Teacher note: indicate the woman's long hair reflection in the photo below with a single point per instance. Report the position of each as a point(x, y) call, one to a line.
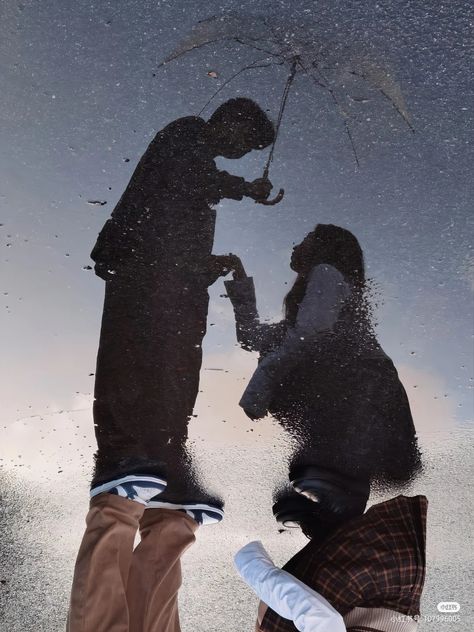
point(327, 244)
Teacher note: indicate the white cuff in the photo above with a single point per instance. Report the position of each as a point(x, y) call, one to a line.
point(285, 594)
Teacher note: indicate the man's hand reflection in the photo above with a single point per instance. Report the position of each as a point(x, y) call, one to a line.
point(259, 189)
point(232, 263)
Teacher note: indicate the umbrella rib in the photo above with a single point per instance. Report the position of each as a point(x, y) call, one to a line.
point(275, 36)
point(382, 92)
point(338, 106)
point(316, 81)
point(261, 50)
point(214, 41)
point(185, 52)
point(284, 99)
point(252, 66)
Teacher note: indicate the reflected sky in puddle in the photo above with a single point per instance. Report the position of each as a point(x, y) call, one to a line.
point(76, 118)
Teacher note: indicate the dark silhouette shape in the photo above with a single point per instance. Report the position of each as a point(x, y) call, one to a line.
point(325, 500)
point(165, 214)
point(322, 372)
point(155, 255)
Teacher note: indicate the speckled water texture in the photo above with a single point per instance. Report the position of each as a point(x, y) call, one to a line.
point(82, 97)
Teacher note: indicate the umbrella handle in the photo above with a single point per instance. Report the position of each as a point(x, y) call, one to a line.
point(278, 198)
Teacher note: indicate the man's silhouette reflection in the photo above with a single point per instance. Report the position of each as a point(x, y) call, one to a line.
point(155, 255)
point(322, 372)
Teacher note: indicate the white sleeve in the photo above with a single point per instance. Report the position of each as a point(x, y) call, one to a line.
point(286, 595)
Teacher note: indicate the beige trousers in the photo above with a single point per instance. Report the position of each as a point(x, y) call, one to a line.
point(120, 589)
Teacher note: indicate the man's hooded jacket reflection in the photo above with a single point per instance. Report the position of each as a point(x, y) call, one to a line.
point(155, 255)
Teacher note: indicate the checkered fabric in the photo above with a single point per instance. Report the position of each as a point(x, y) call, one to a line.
point(374, 561)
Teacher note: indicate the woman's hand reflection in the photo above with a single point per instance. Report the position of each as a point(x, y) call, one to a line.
point(231, 263)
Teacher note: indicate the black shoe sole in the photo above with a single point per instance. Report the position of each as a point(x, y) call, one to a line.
point(291, 511)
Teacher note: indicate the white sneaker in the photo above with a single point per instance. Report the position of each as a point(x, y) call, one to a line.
point(137, 487)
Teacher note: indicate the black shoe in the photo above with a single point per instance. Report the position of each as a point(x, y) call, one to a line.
point(293, 511)
point(337, 493)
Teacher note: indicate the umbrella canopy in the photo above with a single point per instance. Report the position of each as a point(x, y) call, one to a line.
point(334, 67)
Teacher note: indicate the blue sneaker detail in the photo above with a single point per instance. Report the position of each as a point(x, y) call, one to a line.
point(203, 514)
point(137, 487)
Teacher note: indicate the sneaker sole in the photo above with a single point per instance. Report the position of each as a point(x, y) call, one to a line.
point(131, 478)
point(290, 512)
point(190, 507)
point(157, 504)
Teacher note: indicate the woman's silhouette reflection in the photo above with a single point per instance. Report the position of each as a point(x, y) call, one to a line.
point(324, 376)
point(322, 372)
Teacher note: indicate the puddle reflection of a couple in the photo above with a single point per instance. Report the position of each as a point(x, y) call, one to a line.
point(322, 374)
